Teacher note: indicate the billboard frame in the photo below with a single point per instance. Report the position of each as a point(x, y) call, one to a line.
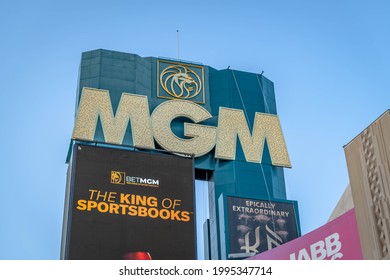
point(224, 231)
point(70, 186)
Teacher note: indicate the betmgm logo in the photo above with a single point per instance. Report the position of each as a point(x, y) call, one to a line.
point(180, 81)
point(120, 178)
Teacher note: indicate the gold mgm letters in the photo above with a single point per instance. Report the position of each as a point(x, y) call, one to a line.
point(146, 128)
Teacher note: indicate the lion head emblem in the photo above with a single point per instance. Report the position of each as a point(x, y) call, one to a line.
point(180, 82)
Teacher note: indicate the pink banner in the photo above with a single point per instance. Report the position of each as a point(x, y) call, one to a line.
point(336, 240)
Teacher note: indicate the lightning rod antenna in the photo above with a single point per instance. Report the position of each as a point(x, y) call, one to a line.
point(177, 39)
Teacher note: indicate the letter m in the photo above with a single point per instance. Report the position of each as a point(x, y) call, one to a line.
point(232, 125)
point(96, 103)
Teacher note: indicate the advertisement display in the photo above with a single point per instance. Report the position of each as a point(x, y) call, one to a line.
point(338, 239)
point(130, 205)
point(256, 226)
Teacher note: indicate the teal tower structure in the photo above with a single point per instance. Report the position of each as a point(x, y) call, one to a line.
point(120, 72)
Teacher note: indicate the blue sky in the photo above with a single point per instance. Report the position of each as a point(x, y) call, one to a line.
point(329, 61)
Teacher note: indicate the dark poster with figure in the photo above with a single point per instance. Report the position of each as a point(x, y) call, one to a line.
point(129, 204)
point(256, 226)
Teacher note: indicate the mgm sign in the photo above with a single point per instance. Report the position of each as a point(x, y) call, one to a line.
point(184, 85)
point(189, 110)
point(201, 139)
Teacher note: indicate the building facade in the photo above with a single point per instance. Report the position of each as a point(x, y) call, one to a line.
point(368, 161)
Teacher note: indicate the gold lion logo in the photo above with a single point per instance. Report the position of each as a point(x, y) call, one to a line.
point(180, 82)
point(117, 177)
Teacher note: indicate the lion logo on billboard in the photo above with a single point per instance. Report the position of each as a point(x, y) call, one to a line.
point(180, 82)
point(118, 177)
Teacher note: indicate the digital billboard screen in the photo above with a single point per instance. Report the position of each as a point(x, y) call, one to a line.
point(129, 203)
point(256, 225)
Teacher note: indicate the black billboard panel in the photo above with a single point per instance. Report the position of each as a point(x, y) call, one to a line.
point(129, 203)
point(256, 225)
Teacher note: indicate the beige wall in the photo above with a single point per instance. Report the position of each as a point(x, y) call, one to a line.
point(345, 203)
point(368, 161)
